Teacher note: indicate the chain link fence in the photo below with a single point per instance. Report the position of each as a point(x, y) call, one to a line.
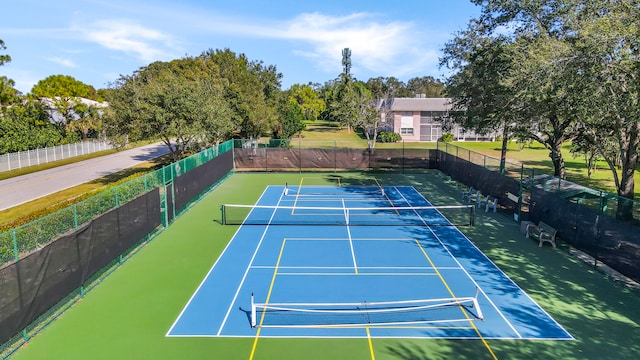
point(48, 264)
point(600, 224)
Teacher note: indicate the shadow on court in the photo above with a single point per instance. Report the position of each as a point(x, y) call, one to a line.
point(600, 313)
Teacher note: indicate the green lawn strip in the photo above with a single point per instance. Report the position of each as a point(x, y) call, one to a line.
point(128, 314)
point(536, 157)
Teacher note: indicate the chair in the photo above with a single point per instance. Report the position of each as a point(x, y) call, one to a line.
point(467, 193)
point(484, 201)
point(474, 197)
point(491, 202)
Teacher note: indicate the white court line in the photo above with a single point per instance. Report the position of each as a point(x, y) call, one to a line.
point(360, 273)
point(353, 254)
point(351, 267)
point(246, 272)
point(207, 276)
point(466, 272)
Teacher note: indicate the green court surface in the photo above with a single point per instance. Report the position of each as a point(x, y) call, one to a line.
point(128, 315)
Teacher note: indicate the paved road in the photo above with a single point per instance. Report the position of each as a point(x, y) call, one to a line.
point(19, 190)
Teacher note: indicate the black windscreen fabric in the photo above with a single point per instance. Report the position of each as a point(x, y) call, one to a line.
point(483, 179)
point(191, 184)
point(612, 241)
point(333, 158)
point(37, 282)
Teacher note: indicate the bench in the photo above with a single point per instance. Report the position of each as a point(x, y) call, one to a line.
point(542, 232)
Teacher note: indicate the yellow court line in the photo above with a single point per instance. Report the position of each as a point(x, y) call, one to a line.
point(385, 194)
point(273, 280)
point(297, 194)
point(373, 355)
point(493, 355)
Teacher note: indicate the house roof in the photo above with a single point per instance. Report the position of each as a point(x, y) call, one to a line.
point(421, 104)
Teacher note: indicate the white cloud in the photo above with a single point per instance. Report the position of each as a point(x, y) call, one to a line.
point(131, 38)
point(388, 48)
point(62, 61)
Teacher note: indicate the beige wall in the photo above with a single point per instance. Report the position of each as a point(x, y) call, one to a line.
point(416, 126)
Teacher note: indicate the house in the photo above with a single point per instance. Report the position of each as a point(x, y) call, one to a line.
point(425, 119)
point(54, 113)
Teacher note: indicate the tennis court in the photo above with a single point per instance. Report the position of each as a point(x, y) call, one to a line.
point(357, 262)
point(129, 313)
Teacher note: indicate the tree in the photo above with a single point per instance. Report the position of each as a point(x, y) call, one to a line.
point(251, 89)
point(25, 126)
point(537, 102)
point(87, 118)
point(4, 58)
point(481, 97)
point(310, 102)
point(327, 92)
point(544, 85)
point(8, 94)
point(64, 86)
point(356, 106)
point(367, 116)
point(382, 87)
point(65, 95)
point(608, 43)
point(181, 102)
point(426, 85)
point(291, 119)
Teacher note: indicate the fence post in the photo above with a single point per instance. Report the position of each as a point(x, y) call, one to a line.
point(521, 191)
point(335, 157)
point(300, 154)
point(75, 216)
point(403, 156)
point(16, 254)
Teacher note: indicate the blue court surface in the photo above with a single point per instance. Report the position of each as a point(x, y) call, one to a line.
point(386, 274)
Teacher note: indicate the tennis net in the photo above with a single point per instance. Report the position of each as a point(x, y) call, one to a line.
point(342, 191)
point(456, 215)
point(406, 312)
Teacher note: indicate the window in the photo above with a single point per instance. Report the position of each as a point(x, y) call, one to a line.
point(425, 117)
point(406, 124)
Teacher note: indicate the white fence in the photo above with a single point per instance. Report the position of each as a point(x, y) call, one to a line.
point(23, 159)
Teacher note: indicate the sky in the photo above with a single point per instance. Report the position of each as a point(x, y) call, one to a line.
point(96, 41)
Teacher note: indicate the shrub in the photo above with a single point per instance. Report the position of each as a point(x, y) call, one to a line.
point(447, 137)
point(389, 137)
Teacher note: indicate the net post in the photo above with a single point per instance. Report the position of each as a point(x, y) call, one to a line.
point(476, 305)
point(223, 215)
point(473, 216)
point(253, 312)
point(286, 189)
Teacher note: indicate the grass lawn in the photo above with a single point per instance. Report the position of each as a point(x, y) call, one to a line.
point(535, 156)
